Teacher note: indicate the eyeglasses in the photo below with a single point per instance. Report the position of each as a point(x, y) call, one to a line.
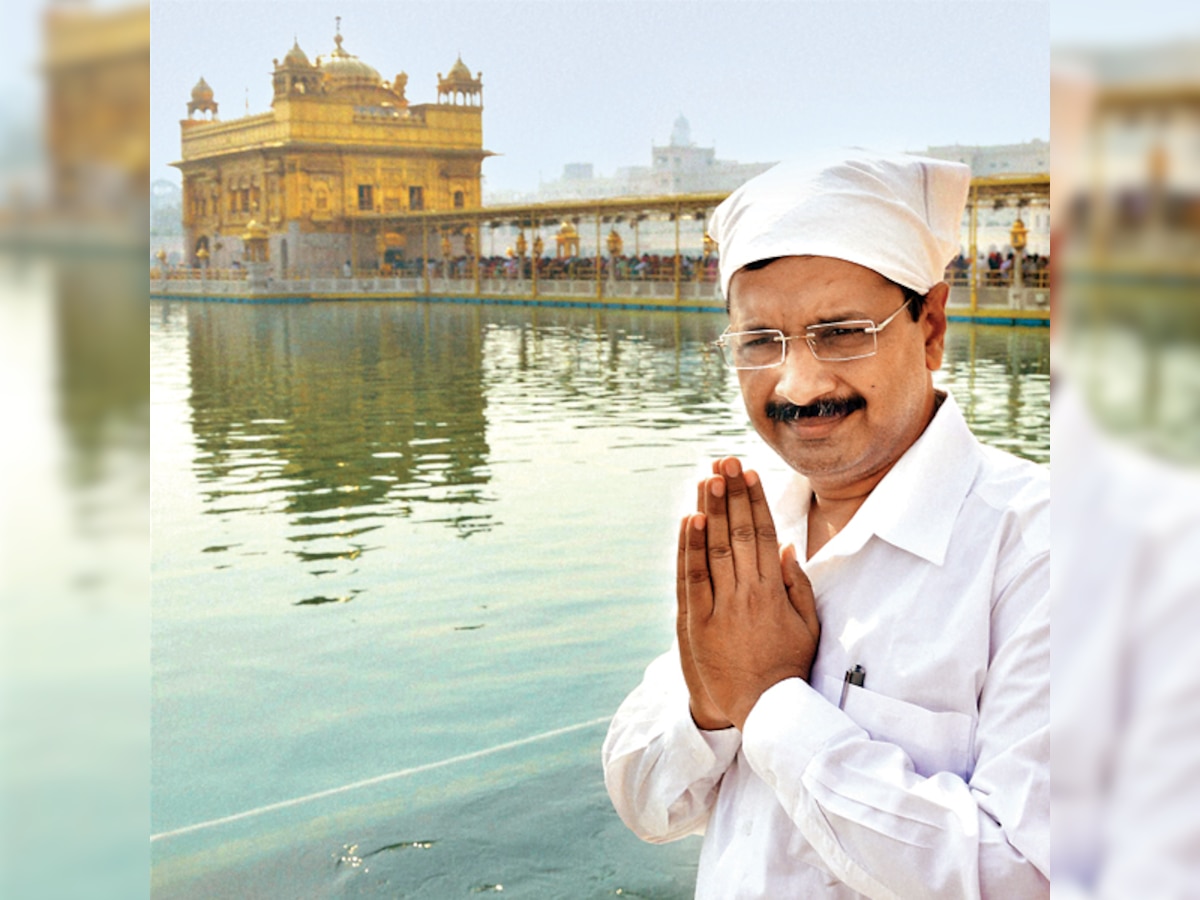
point(765, 348)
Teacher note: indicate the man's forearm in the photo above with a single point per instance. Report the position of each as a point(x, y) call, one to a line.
point(660, 769)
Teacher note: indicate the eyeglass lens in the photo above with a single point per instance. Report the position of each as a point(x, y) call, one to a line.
point(766, 348)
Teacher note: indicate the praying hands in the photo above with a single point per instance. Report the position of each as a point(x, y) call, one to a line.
point(746, 614)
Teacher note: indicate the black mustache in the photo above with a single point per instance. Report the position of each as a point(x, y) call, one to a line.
point(834, 406)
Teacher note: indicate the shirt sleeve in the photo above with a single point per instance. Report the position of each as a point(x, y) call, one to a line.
point(662, 771)
point(888, 831)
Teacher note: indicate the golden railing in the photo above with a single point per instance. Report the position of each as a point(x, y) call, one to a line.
point(182, 273)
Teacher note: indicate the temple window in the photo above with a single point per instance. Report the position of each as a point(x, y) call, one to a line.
point(416, 198)
point(458, 199)
point(366, 201)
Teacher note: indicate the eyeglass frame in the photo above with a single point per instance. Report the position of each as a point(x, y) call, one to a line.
point(808, 337)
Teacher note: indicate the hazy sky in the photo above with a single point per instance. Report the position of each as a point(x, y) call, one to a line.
point(1122, 23)
point(601, 82)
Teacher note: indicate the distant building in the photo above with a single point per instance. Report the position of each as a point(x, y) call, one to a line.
point(679, 167)
point(327, 171)
point(578, 172)
point(166, 207)
point(166, 222)
point(1030, 158)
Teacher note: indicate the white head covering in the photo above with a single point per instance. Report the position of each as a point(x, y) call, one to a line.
point(898, 215)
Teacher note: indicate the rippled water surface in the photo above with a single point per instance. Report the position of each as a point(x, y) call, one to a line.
point(429, 548)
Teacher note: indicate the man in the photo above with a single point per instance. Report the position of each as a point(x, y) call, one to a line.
point(865, 713)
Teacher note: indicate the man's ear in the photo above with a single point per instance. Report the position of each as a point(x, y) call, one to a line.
point(933, 321)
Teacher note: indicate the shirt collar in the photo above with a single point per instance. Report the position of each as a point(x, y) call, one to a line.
point(916, 504)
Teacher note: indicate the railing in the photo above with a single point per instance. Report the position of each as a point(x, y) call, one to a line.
point(1037, 280)
point(577, 269)
point(582, 270)
point(182, 274)
point(576, 283)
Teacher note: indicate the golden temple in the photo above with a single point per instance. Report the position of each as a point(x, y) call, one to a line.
point(340, 149)
point(97, 76)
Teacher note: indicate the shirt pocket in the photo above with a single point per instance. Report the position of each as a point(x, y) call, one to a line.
point(934, 741)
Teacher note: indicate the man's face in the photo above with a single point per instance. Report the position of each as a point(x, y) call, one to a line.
point(889, 396)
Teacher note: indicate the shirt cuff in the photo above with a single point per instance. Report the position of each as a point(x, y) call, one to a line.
point(700, 750)
point(789, 725)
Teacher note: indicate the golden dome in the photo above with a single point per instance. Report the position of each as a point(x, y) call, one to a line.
point(296, 56)
point(345, 70)
point(459, 71)
point(202, 93)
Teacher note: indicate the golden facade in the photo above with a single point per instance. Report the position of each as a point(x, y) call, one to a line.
point(339, 159)
point(97, 70)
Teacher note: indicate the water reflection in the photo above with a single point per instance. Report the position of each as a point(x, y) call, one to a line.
point(1000, 376)
point(336, 415)
point(103, 359)
point(609, 369)
point(74, 587)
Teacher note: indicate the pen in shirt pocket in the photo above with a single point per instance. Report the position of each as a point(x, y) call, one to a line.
point(855, 675)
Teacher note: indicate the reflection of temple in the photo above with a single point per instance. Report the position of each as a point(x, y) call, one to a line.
point(344, 411)
point(340, 149)
point(103, 357)
point(1001, 380)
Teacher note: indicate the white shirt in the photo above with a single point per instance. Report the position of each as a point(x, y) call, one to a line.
point(934, 780)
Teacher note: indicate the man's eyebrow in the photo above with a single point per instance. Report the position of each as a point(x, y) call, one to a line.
point(753, 325)
point(848, 316)
point(845, 315)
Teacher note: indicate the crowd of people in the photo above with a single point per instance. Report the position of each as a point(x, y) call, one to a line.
point(996, 269)
point(646, 267)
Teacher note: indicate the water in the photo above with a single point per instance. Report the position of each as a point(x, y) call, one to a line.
point(74, 581)
point(434, 543)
